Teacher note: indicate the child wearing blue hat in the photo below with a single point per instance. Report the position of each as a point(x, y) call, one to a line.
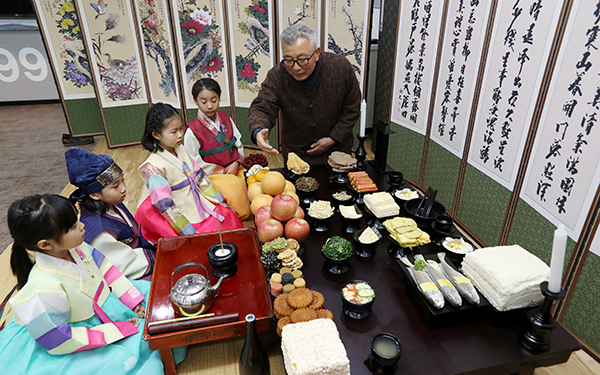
point(110, 227)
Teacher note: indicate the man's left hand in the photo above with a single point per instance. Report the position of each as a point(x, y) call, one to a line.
point(320, 146)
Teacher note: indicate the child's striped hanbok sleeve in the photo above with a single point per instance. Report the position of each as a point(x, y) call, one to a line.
point(119, 284)
point(206, 186)
point(45, 312)
point(160, 196)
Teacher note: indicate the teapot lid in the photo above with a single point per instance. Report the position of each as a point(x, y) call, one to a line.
point(190, 284)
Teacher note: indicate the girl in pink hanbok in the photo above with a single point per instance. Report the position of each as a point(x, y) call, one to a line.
point(182, 199)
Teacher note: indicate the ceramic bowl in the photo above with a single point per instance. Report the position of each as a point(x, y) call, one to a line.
point(345, 202)
point(364, 250)
point(337, 266)
point(356, 310)
point(223, 261)
point(424, 222)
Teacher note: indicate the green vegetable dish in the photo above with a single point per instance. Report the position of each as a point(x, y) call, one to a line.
point(337, 248)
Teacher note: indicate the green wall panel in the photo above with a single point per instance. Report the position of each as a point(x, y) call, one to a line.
point(441, 173)
point(483, 206)
point(533, 232)
point(385, 61)
point(404, 151)
point(241, 120)
point(125, 125)
point(581, 313)
point(85, 116)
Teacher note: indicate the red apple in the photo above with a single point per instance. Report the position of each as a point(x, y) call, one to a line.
point(269, 230)
point(283, 207)
point(297, 229)
point(262, 214)
point(299, 213)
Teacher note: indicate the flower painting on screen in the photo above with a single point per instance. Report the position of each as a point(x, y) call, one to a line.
point(76, 65)
point(202, 45)
point(256, 28)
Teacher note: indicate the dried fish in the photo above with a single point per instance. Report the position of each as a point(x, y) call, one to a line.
point(448, 290)
point(462, 284)
point(427, 287)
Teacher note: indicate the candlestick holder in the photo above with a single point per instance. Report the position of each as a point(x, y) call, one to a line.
point(380, 146)
point(361, 154)
point(536, 336)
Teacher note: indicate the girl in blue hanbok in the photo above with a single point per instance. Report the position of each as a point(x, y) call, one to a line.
point(74, 312)
point(109, 226)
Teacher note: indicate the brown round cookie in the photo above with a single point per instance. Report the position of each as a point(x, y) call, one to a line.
point(303, 315)
point(293, 244)
point(325, 314)
point(281, 307)
point(318, 300)
point(282, 323)
point(299, 297)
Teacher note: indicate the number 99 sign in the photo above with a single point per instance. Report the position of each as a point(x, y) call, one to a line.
point(36, 71)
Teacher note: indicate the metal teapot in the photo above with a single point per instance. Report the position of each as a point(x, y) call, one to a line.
point(193, 293)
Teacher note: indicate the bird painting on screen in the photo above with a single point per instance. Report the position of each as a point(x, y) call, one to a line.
point(116, 63)
point(100, 7)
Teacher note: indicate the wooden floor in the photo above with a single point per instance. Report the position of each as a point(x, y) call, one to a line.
point(222, 357)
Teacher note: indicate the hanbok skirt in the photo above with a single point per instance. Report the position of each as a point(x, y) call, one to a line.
point(21, 354)
point(154, 226)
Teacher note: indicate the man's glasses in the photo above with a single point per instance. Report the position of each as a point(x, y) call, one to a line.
point(303, 61)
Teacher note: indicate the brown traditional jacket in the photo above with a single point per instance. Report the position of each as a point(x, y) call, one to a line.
point(332, 108)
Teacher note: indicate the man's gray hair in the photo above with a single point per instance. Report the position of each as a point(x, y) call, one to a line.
point(291, 34)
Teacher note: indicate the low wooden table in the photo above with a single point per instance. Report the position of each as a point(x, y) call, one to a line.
point(481, 345)
point(244, 293)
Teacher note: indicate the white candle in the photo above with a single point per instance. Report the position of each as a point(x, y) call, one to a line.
point(558, 258)
point(363, 118)
point(222, 252)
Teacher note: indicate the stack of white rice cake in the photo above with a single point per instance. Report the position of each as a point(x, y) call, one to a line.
point(314, 348)
point(381, 204)
point(508, 276)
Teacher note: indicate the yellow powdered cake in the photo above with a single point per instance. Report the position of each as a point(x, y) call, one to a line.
point(314, 348)
point(382, 204)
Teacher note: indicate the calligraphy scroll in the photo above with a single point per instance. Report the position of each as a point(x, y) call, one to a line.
point(69, 60)
point(159, 57)
point(418, 34)
point(251, 45)
point(346, 29)
point(201, 47)
point(461, 53)
point(110, 37)
point(564, 172)
point(291, 12)
point(519, 49)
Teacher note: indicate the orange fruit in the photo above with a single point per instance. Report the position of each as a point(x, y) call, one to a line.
point(254, 190)
point(261, 172)
point(273, 183)
point(251, 180)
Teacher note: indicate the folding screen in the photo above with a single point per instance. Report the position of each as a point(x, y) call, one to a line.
point(299, 12)
point(69, 60)
point(110, 35)
point(154, 28)
point(201, 47)
point(252, 50)
point(516, 151)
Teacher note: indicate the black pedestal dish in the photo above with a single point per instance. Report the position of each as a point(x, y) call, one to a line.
point(223, 260)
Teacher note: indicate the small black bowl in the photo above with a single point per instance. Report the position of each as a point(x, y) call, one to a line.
point(364, 250)
point(424, 222)
point(306, 197)
point(320, 225)
point(339, 178)
point(384, 363)
point(337, 266)
point(354, 310)
point(345, 202)
point(396, 178)
point(224, 265)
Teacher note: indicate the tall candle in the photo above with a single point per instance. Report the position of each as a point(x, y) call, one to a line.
point(558, 258)
point(363, 118)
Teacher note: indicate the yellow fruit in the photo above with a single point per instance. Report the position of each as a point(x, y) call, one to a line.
point(289, 187)
point(273, 183)
point(251, 180)
point(260, 174)
point(259, 201)
point(294, 196)
point(254, 190)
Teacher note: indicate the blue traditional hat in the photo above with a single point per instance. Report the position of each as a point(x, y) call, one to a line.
point(90, 172)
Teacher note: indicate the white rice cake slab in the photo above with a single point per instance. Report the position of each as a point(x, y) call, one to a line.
point(508, 276)
point(314, 348)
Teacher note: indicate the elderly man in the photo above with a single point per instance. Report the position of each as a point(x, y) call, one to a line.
point(318, 96)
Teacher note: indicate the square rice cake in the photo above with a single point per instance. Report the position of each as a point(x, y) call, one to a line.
point(314, 348)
